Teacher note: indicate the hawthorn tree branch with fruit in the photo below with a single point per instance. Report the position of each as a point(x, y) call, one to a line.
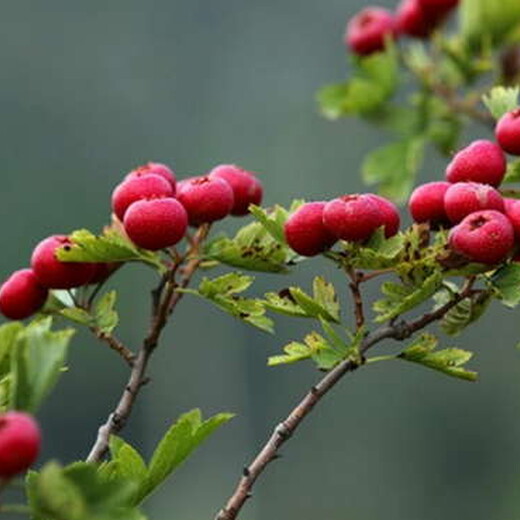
point(459, 254)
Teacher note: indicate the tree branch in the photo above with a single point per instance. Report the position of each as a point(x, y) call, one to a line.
point(115, 344)
point(164, 300)
point(286, 428)
point(355, 280)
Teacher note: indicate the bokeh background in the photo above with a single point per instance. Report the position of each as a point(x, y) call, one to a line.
point(91, 89)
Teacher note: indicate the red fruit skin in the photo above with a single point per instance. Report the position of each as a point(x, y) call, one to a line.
point(367, 31)
point(21, 295)
point(138, 187)
point(205, 199)
point(464, 198)
point(389, 214)
point(247, 189)
point(438, 6)
point(513, 214)
point(507, 132)
point(412, 20)
point(54, 274)
point(485, 236)
point(20, 441)
point(482, 161)
point(352, 217)
point(156, 224)
point(305, 232)
point(102, 271)
point(156, 168)
point(426, 203)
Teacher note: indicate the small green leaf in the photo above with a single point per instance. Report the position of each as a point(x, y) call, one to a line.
point(105, 317)
point(109, 247)
point(394, 167)
point(226, 285)
point(448, 361)
point(506, 283)
point(77, 315)
point(513, 172)
point(273, 219)
point(500, 100)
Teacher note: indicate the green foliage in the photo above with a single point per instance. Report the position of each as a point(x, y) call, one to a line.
point(181, 439)
point(394, 167)
point(273, 219)
point(506, 284)
point(513, 172)
point(79, 492)
point(223, 292)
point(500, 100)
point(37, 356)
point(449, 361)
point(295, 302)
point(374, 82)
point(326, 352)
point(109, 247)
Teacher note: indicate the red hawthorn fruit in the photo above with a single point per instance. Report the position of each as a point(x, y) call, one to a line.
point(352, 217)
point(247, 189)
point(513, 214)
point(507, 132)
point(426, 203)
point(411, 19)
point(305, 232)
point(485, 237)
point(53, 273)
point(156, 168)
point(205, 199)
point(20, 441)
point(389, 214)
point(156, 223)
point(368, 30)
point(438, 6)
point(102, 271)
point(139, 187)
point(21, 295)
point(482, 161)
point(463, 198)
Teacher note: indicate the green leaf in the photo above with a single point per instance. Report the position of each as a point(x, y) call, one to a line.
point(37, 363)
point(9, 333)
point(105, 317)
point(394, 167)
point(77, 315)
point(448, 361)
point(179, 442)
point(488, 21)
point(506, 284)
point(500, 100)
point(109, 247)
point(229, 284)
point(402, 298)
point(513, 172)
point(273, 219)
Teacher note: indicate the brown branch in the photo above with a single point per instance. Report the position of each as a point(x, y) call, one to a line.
point(115, 344)
point(286, 428)
point(355, 280)
point(164, 300)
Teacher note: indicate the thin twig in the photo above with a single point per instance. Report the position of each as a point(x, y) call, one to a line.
point(286, 428)
point(115, 344)
point(355, 280)
point(165, 298)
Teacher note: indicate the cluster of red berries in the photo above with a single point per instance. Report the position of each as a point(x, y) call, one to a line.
point(20, 441)
point(155, 212)
point(368, 31)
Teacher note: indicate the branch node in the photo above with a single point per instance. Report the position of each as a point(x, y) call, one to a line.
point(246, 472)
point(283, 431)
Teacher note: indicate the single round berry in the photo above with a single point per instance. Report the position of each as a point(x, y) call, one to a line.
point(426, 203)
point(156, 168)
point(507, 132)
point(305, 232)
point(464, 198)
point(53, 273)
point(247, 189)
point(206, 199)
point(368, 30)
point(411, 19)
point(482, 161)
point(389, 214)
point(485, 237)
point(352, 217)
point(156, 223)
point(513, 214)
point(20, 441)
point(21, 295)
point(139, 187)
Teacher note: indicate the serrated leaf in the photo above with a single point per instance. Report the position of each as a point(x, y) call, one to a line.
point(109, 247)
point(226, 285)
point(77, 315)
point(37, 363)
point(179, 442)
point(394, 167)
point(284, 303)
point(506, 284)
point(105, 317)
point(401, 298)
point(273, 219)
point(448, 361)
point(500, 100)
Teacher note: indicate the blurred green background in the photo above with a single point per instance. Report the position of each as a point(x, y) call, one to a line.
point(90, 90)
